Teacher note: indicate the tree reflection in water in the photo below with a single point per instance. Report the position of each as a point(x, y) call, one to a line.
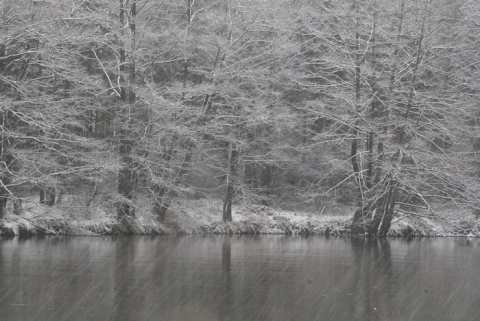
point(372, 267)
point(239, 278)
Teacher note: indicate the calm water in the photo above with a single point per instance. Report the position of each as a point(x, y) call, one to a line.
point(239, 278)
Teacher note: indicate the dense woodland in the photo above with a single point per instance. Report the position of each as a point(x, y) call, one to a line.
point(129, 103)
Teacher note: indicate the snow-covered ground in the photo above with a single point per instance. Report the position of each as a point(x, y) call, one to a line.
point(204, 216)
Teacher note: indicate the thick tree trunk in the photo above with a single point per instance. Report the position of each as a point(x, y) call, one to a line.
point(389, 208)
point(376, 208)
point(384, 211)
point(375, 218)
point(127, 180)
point(127, 175)
point(227, 203)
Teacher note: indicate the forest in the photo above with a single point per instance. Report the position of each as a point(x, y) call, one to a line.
point(127, 109)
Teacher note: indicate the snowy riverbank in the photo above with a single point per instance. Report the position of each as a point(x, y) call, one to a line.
point(203, 216)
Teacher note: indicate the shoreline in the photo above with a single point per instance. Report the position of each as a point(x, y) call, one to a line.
point(259, 223)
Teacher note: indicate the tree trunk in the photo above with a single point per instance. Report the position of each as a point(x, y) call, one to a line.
point(188, 15)
point(379, 163)
point(376, 217)
point(267, 178)
point(4, 193)
point(161, 204)
point(127, 175)
point(355, 139)
point(418, 59)
point(394, 67)
point(227, 203)
point(17, 206)
point(3, 202)
point(127, 180)
point(384, 211)
point(389, 208)
point(163, 195)
point(375, 104)
point(47, 196)
point(369, 176)
point(411, 94)
point(6, 161)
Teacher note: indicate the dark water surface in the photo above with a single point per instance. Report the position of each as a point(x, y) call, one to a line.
point(239, 278)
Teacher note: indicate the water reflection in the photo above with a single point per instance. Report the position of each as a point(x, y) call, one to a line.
point(227, 287)
point(239, 278)
point(373, 268)
point(126, 294)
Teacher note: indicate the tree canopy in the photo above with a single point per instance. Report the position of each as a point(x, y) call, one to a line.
point(295, 103)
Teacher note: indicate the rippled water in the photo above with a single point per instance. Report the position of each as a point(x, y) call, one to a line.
point(239, 278)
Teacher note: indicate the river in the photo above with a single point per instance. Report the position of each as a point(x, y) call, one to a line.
point(239, 278)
